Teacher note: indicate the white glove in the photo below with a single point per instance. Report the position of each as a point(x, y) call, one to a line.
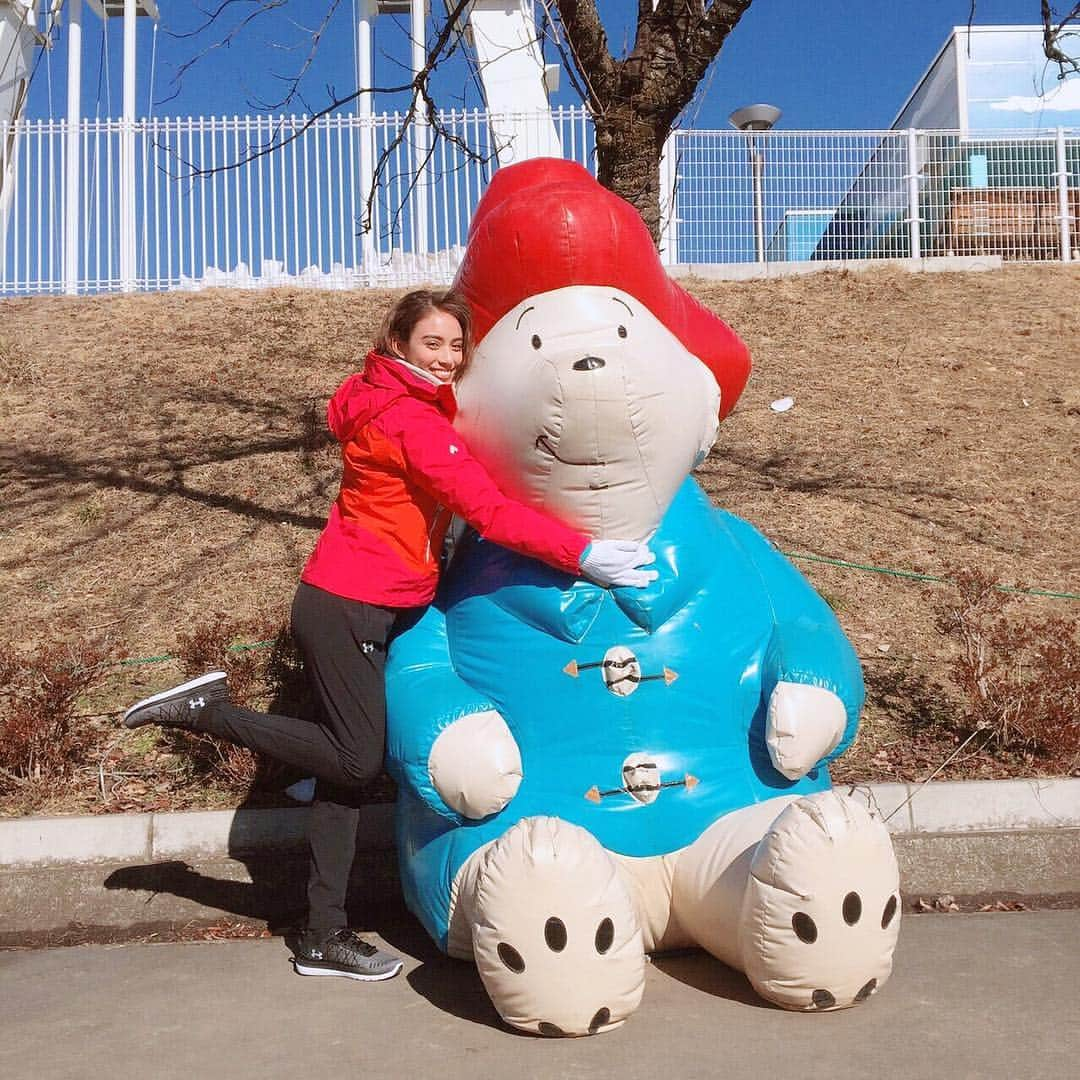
point(612, 563)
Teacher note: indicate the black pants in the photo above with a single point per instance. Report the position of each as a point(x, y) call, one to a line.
point(344, 647)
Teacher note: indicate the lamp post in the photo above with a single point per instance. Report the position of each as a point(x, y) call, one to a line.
point(751, 119)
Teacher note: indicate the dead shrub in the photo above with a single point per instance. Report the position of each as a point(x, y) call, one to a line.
point(1019, 677)
point(41, 739)
point(263, 669)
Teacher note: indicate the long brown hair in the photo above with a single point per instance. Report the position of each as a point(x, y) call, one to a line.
point(400, 321)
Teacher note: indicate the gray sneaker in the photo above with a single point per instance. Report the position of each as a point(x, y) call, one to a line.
point(181, 706)
point(343, 952)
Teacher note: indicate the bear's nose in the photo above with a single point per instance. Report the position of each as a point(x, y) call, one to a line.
point(588, 363)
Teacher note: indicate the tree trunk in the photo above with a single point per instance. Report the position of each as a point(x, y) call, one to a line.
point(628, 149)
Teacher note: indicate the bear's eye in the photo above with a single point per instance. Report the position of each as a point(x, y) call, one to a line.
point(622, 331)
point(536, 342)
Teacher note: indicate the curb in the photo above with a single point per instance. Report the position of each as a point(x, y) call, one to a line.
point(41, 842)
point(948, 807)
point(75, 879)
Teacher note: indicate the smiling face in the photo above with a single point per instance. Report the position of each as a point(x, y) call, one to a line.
point(581, 402)
point(436, 345)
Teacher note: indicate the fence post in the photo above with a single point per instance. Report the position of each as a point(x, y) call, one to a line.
point(72, 149)
point(669, 221)
point(420, 135)
point(127, 155)
point(1063, 196)
point(914, 220)
point(364, 114)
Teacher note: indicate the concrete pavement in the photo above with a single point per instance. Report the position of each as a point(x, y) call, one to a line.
point(986, 996)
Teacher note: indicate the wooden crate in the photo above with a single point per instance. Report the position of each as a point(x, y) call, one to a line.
point(1014, 222)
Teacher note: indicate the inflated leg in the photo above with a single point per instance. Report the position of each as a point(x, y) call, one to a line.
point(555, 934)
point(822, 907)
point(810, 912)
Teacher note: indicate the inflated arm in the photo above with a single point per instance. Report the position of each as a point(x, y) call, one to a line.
point(445, 742)
point(811, 680)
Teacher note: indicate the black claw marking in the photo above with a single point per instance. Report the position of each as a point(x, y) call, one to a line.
point(888, 913)
point(511, 958)
point(605, 935)
point(555, 934)
point(601, 1019)
point(852, 908)
point(822, 999)
point(805, 928)
point(867, 990)
point(551, 1030)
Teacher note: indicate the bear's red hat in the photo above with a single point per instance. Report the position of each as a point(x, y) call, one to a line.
point(546, 223)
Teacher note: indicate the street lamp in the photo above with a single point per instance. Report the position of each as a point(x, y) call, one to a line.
point(750, 119)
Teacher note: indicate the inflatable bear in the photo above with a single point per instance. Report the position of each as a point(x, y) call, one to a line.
point(588, 775)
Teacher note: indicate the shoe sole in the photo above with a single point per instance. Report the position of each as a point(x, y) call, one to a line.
point(183, 688)
point(307, 968)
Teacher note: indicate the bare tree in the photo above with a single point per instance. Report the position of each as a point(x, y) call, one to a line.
point(635, 100)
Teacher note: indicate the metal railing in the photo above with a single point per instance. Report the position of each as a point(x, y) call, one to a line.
point(211, 208)
point(250, 200)
point(877, 195)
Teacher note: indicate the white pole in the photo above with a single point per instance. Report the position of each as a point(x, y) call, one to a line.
point(420, 133)
point(127, 155)
point(913, 193)
point(71, 179)
point(669, 232)
point(364, 107)
point(1063, 196)
point(757, 170)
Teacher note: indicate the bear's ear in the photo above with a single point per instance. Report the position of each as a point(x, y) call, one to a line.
point(546, 224)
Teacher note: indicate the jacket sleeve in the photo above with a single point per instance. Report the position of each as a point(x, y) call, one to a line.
point(436, 458)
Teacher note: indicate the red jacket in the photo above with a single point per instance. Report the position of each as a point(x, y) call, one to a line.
point(406, 471)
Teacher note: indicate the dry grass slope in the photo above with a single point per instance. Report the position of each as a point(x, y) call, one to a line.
point(164, 459)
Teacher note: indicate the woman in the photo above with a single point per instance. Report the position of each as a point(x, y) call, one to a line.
point(405, 473)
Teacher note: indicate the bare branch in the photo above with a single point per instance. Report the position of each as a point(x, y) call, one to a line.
point(295, 79)
point(421, 103)
point(212, 16)
point(588, 42)
point(578, 78)
point(1052, 39)
point(221, 43)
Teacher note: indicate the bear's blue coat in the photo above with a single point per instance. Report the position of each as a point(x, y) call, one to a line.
point(728, 616)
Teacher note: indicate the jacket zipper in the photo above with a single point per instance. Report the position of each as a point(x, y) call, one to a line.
point(431, 532)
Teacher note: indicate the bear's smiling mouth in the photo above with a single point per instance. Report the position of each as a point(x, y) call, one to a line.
point(542, 443)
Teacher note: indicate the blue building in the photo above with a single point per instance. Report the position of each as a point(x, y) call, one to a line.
point(989, 128)
point(798, 234)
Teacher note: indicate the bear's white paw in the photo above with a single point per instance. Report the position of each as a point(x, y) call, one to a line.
point(804, 724)
point(475, 764)
point(822, 907)
point(556, 936)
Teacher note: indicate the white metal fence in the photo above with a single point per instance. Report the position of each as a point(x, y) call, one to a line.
point(816, 195)
point(208, 207)
point(251, 200)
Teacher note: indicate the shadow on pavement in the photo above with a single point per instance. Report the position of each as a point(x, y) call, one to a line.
point(697, 969)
